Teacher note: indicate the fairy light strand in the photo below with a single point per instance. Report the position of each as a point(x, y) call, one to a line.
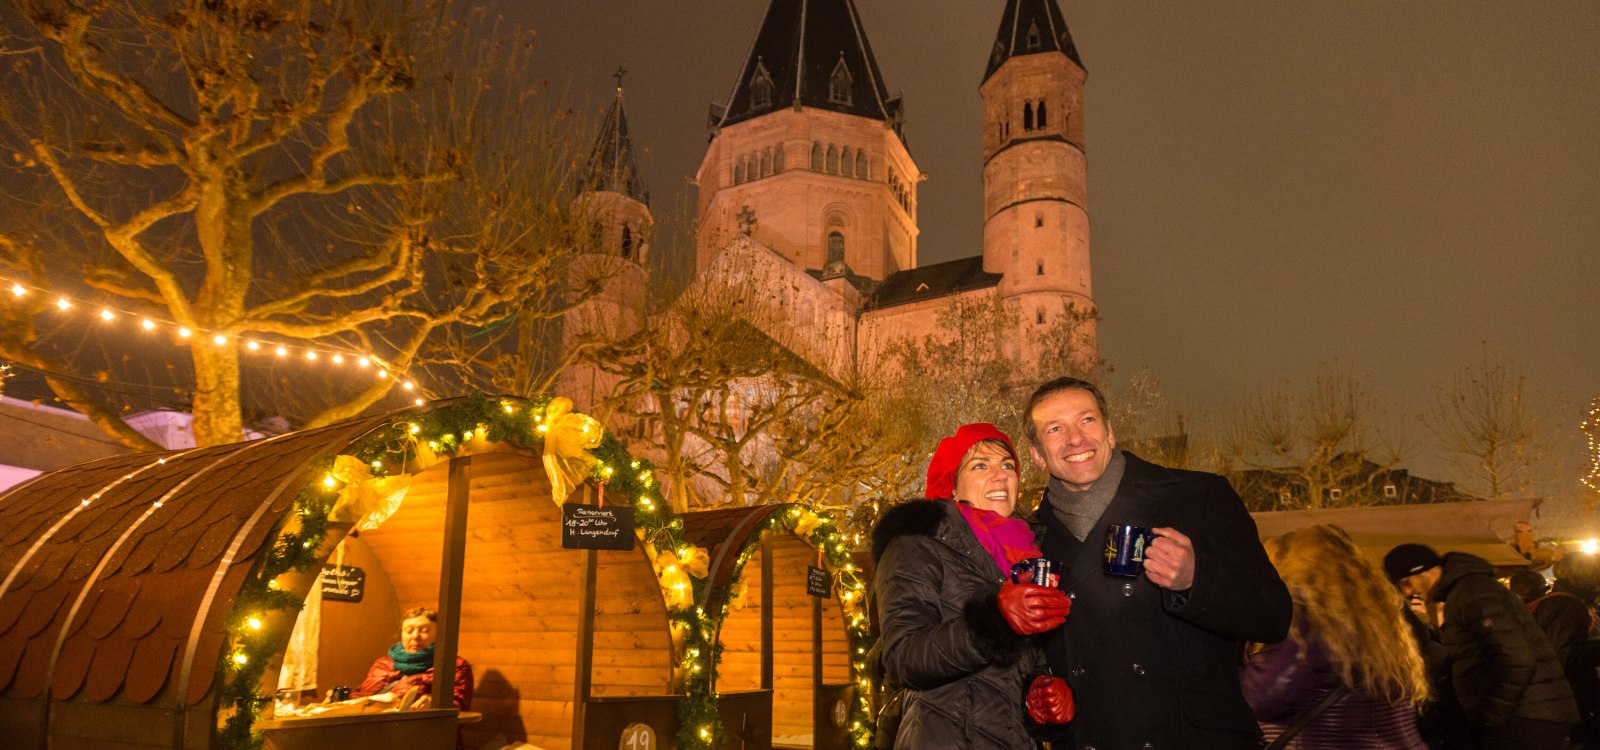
point(254, 346)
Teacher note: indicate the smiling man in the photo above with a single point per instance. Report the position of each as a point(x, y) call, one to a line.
point(1151, 659)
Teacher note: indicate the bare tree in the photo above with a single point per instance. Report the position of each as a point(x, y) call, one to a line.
point(362, 175)
point(1146, 424)
point(1313, 448)
point(971, 368)
point(1483, 422)
point(732, 414)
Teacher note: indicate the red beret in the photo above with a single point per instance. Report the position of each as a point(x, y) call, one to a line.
point(947, 457)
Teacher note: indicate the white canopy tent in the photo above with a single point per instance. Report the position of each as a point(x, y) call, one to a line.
point(1486, 528)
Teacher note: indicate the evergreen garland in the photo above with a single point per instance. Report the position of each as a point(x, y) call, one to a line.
point(443, 430)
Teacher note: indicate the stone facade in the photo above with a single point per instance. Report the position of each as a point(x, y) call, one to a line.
point(807, 207)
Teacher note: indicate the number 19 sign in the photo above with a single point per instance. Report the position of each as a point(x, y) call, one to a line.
point(638, 736)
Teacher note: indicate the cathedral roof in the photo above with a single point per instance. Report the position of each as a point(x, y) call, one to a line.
point(611, 164)
point(813, 53)
point(1030, 27)
point(937, 280)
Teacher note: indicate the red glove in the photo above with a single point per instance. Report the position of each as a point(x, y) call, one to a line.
point(1050, 701)
point(1030, 609)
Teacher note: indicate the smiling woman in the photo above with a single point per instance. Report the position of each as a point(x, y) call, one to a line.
point(953, 649)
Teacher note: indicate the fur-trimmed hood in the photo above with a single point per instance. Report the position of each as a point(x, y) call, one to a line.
point(911, 518)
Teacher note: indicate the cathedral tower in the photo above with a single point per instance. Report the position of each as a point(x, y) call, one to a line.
point(1036, 221)
point(616, 208)
point(807, 156)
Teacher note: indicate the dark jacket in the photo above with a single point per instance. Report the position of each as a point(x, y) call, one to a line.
point(943, 638)
point(1155, 669)
point(1441, 721)
point(1500, 662)
point(1284, 681)
point(1565, 620)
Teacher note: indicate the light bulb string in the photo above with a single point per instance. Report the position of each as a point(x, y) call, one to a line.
point(17, 289)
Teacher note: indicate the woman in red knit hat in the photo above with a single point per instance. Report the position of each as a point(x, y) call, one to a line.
point(956, 634)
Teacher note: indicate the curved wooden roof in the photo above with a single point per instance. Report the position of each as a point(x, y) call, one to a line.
point(118, 574)
point(723, 533)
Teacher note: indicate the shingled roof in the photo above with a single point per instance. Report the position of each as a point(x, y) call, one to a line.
point(119, 573)
point(611, 163)
point(1030, 27)
point(937, 280)
point(803, 48)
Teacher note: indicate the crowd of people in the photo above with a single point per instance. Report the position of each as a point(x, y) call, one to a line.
point(1003, 631)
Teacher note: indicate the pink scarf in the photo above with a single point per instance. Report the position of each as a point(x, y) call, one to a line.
point(1008, 540)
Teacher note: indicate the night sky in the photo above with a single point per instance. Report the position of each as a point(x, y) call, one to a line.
point(1275, 189)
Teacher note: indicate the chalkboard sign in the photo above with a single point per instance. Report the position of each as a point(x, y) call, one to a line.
point(596, 526)
point(342, 583)
point(817, 583)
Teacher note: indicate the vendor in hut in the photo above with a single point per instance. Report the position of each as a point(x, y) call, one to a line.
point(409, 663)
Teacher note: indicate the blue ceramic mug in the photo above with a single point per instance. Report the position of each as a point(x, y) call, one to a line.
point(1125, 546)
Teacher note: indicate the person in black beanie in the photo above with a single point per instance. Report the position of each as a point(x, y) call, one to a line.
point(1504, 672)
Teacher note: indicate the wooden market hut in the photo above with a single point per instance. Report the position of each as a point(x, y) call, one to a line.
point(117, 579)
point(776, 639)
point(1489, 529)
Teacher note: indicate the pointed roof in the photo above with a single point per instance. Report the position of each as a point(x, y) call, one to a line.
point(611, 164)
point(1029, 27)
point(813, 52)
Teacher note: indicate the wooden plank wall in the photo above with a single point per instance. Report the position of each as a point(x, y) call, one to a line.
point(792, 642)
point(519, 610)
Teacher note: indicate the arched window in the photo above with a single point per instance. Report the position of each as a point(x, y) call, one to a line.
point(835, 247)
point(766, 163)
point(846, 163)
point(861, 165)
point(833, 159)
point(1039, 269)
point(816, 157)
point(1027, 116)
point(627, 242)
point(1040, 117)
point(738, 172)
point(777, 159)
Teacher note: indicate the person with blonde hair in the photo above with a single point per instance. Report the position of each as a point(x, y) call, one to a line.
point(1349, 675)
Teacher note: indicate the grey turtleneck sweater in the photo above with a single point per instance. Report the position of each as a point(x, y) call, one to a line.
point(1079, 511)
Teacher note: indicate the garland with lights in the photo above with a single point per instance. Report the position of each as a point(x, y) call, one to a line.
point(680, 567)
point(249, 647)
point(1591, 429)
point(819, 531)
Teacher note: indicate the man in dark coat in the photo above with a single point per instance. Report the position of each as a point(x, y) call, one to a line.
point(1152, 660)
point(1505, 673)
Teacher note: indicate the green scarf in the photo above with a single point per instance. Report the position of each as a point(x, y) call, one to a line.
point(409, 662)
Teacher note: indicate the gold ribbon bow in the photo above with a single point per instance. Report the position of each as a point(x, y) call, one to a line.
point(568, 438)
point(805, 524)
point(364, 500)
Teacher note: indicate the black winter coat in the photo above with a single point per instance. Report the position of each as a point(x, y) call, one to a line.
point(1500, 661)
point(1152, 669)
point(943, 638)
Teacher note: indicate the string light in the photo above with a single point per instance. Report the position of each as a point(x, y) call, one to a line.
point(66, 304)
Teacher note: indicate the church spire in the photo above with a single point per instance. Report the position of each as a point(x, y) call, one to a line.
point(811, 53)
point(1030, 27)
point(611, 164)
